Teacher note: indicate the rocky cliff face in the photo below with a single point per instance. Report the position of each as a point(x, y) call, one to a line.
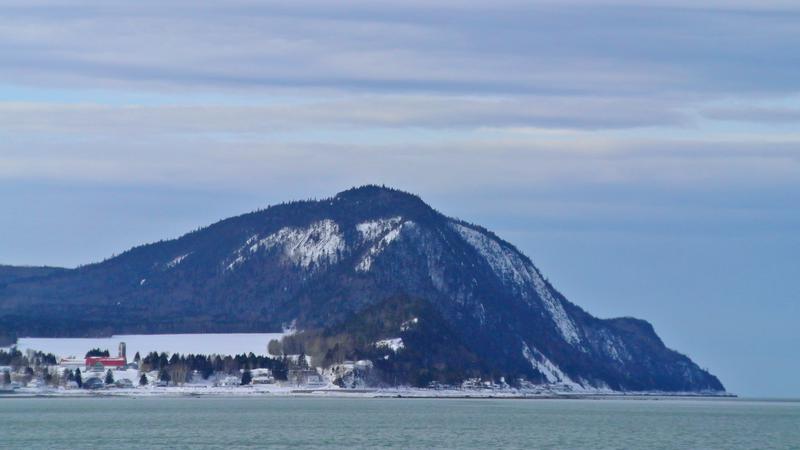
point(452, 298)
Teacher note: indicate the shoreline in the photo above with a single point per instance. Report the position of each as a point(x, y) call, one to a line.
point(362, 393)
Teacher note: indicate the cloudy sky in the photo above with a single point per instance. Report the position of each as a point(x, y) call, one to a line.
point(645, 154)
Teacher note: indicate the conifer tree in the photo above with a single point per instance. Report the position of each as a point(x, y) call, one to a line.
point(109, 377)
point(78, 378)
point(163, 375)
point(143, 380)
point(301, 361)
point(247, 377)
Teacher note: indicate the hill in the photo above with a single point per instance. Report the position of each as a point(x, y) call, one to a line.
point(371, 273)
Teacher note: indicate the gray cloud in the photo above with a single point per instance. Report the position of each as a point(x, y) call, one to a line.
point(370, 111)
point(617, 48)
point(616, 82)
point(759, 114)
point(456, 165)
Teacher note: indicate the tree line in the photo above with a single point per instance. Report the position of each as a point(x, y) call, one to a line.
point(178, 368)
point(17, 359)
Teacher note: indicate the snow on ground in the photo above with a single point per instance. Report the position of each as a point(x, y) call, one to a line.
point(305, 246)
point(387, 238)
point(319, 242)
point(334, 391)
point(546, 367)
point(177, 260)
point(205, 344)
point(394, 344)
point(505, 264)
point(556, 309)
point(374, 229)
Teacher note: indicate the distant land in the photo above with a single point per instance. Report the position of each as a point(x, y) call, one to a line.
point(370, 274)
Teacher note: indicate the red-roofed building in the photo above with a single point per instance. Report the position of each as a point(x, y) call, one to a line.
point(99, 363)
point(104, 362)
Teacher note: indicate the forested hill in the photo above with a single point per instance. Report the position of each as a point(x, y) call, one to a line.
point(15, 273)
point(371, 272)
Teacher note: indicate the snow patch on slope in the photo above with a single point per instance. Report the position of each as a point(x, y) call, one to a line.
point(393, 344)
point(508, 266)
point(385, 231)
point(376, 228)
point(511, 268)
point(613, 347)
point(551, 372)
point(556, 309)
point(177, 260)
point(408, 324)
point(320, 242)
point(240, 253)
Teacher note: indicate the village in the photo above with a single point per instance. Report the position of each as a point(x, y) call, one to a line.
point(34, 371)
point(98, 372)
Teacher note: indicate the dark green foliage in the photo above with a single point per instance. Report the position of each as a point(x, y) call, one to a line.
point(163, 375)
point(247, 377)
point(28, 374)
point(196, 296)
point(143, 380)
point(15, 273)
point(12, 358)
point(433, 352)
point(97, 352)
point(109, 377)
point(17, 359)
point(207, 365)
point(8, 337)
point(302, 362)
point(78, 378)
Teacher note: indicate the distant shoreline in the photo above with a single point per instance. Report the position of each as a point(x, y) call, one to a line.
point(360, 393)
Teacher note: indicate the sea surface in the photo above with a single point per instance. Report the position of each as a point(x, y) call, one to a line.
point(328, 423)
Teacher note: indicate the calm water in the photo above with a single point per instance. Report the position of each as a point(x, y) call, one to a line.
point(123, 423)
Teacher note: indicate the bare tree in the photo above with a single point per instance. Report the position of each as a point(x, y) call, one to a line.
point(275, 348)
point(178, 373)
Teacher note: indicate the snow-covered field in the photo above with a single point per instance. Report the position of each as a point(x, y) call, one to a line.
point(205, 344)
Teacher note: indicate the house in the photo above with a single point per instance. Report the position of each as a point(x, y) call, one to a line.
point(94, 383)
point(304, 377)
point(228, 380)
point(101, 363)
point(262, 376)
point(71, 363)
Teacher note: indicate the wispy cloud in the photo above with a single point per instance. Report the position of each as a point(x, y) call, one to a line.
point(364, 111)
point(642, 91)
point(758, 114)
point(513, 47)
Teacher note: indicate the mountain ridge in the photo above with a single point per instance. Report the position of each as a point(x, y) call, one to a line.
point(323, 263)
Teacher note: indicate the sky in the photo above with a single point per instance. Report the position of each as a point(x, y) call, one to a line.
point(644, 154)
